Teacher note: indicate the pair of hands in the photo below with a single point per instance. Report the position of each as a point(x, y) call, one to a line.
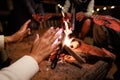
point(42, 46)
point(79, 16)
point(108, 21)
point(41, 18)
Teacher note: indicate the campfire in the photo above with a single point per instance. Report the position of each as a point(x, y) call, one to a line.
point(76, 51)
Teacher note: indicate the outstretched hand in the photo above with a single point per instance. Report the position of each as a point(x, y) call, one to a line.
point(43, 46)
point(107, 21)
point(20, 34)
point(80, 16)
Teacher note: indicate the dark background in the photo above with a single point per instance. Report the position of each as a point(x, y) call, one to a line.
point(7, 7)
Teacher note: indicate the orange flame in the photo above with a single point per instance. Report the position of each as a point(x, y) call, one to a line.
point(67, 31)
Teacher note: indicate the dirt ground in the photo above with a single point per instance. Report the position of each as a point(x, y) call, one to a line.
point(63, 70)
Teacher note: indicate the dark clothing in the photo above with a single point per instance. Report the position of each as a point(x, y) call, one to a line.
point(78, 6)
point(106, 37)
point(109, 39)
point(23, 10)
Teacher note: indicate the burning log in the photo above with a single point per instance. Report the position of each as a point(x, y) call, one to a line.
point(76, 56)
point(83, 52)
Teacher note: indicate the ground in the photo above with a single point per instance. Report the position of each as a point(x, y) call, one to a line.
point(63, 70)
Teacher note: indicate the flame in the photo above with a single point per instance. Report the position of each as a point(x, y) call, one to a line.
point(67, 31)
point(67, 40)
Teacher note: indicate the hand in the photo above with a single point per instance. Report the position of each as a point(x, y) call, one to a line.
point(113, 23)
point(47, 16)
point(37, 17)
point(43, 46)
point(111, 55)
point(41, 18)
point(20, 34)
point(80, 16)
point(97, 19)
point(68, 16)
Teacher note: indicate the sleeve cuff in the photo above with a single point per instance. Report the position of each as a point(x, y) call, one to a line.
point(25, 68)
point(1, 42)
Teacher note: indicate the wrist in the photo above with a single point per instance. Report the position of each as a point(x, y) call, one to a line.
point(8, 39)
point(5, 40)
point(37, 59)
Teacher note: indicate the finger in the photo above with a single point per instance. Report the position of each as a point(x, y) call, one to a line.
point(58, 35)
point(48, 32)
point(27, 22)
point(94, 16)
point(37, 38)
point(57, 31)
point(51, 34)
point(24, 34)
point(49, 43)
point(54, 48)
point(109, 53)
point(25, 25)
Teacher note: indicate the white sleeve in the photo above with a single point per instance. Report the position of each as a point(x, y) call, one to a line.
point(23, 69)
point(90, 8)
point(1, 42)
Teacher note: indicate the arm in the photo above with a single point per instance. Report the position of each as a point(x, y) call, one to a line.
point(66, 6)
point(23, 69)
point(85, 28)
point(80, 15)
point(90, 8)
point(20, 34)
point(26, 67)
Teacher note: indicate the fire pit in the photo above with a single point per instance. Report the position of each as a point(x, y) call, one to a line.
point(63, 70)
point(84, 62)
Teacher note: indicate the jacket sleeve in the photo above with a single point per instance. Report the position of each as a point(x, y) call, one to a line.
point(90, 8)
point(23, 69)
point(66, 6)
point(1, 42)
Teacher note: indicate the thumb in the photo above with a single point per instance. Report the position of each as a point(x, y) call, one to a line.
point(36, 38)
